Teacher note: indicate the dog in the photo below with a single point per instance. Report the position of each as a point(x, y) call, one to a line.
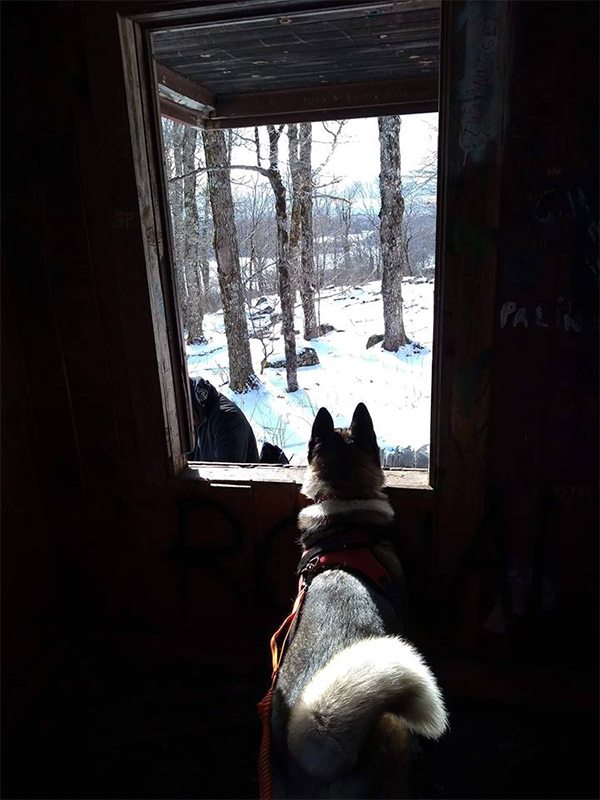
point(350, 690)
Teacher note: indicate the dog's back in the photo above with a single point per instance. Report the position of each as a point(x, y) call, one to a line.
point(350, 689)
point(347, 697)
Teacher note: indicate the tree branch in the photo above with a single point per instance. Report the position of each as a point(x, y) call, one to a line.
point(268, 173)
point(335, 135)
point(333, 197)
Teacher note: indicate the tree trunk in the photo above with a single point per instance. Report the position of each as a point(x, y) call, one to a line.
point(307, 271)
point(346, 215)
point(176, 198)
point(390, 232)
point(204, 242)
point(283, 264)
point(194, 312)
point(296, 218)
point(251, 268)
point(241, 373)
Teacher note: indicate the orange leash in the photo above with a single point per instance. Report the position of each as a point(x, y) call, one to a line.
point(264, 707)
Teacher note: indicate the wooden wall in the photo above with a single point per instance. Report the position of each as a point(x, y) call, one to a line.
point(518, 422)
point(125, 591)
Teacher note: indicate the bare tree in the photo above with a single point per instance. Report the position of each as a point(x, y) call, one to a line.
point(420, 215)
point(390, 232)
point(194, 294)
point(254, 219)
point(173, 139)
point(241, 373)
point(218, 168)
point(296, 213)
point(369, 195)
point(283, 261)
point(307, 271)
point(204, 242)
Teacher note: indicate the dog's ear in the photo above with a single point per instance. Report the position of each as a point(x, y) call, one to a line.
point(322, 428)
point(323, 425)
point(362, 430)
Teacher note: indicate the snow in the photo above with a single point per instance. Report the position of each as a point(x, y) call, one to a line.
point(396, 387)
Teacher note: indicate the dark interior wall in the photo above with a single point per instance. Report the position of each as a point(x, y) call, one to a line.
point(519, 421)
point(543, 465)
point(125, 591)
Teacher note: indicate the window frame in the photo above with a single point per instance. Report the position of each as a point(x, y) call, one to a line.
point(144, 113)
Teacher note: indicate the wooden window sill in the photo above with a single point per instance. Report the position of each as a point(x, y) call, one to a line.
point(215, 473)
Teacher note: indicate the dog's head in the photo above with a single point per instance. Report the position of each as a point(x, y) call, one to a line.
point(344, 462)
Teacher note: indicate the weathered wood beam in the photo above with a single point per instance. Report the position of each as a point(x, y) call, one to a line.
point(155, 14)
point(175, 87)
point(346, 101)
point(409, 95)
point(181, 113)
point(322, 116)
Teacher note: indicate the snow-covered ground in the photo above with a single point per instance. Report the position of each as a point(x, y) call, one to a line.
point(396, 387)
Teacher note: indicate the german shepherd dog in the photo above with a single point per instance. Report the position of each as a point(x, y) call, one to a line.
point(350, 689)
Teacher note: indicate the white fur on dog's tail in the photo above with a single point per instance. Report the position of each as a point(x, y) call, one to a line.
point(340, 704)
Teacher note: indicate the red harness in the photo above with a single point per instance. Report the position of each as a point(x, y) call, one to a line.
point(355, 555)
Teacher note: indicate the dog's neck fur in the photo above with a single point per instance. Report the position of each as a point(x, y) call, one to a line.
point(318, 519)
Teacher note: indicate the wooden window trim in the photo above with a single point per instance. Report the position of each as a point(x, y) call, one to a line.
point(157, 235)
point(144, 114)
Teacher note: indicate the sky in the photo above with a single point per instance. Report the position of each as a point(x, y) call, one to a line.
point(357, 151)
point(356, 156)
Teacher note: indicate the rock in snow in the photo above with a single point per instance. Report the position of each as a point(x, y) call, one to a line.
point(306, 357)
point(324, 328)
point(375, 339)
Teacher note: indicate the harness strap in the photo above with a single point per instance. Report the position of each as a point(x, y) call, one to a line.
point(265, 705)
point(264, 754)
point(314, 554)
point(286, 625)
point(357, 558)
point(361, 561)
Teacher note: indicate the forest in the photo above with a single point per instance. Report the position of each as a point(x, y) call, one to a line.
point(281, 235)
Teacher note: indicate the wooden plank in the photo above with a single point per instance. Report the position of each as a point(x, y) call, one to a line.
point(474, 44)
point(406, 70)
point(543, 448)
point(329, 98)
point(111, 196)
point(182, 86)
point(161, 14)
point(318, 71)
point(546, 318)
point(253, 52)
point(214, 473)
point(336, 53)
point(61, 274)
point(178, 379)
point(323, 116)
point(169, 348)
point(261, 38)
point(311, 51)
point(276, 548)
point(181, 113)
point(441, 283)
point(391, 57)
point(213, 547)
point(309, 61)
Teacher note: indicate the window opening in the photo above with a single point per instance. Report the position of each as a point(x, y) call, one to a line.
point(329, 174)
point(300, 156)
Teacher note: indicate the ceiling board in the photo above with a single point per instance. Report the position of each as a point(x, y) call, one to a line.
point(304, 51)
